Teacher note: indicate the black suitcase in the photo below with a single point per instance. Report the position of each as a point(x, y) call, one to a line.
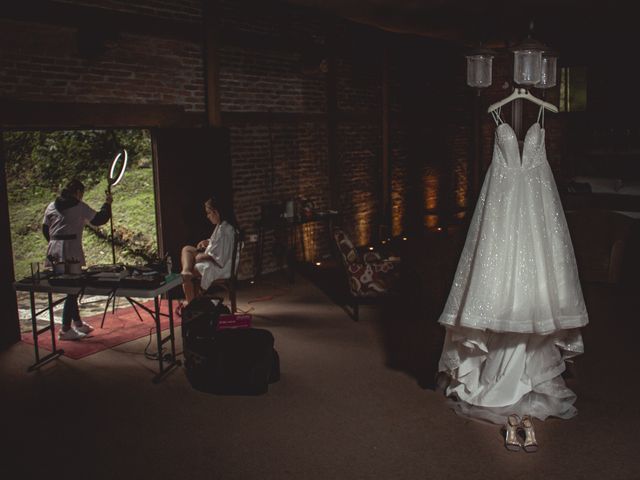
point(231, 362)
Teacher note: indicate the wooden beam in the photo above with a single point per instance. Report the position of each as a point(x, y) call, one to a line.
point(212, 62)
point(17, 114)
point(9, 324)
point(386, 146)
point(239, 118)
point(99, 19)
point(332, 117)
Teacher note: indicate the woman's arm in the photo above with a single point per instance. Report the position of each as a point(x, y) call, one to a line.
point(45, 231)
point(221, 246)
point(203, 257)
point(102, 216)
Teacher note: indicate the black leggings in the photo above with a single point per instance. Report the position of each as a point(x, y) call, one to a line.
point(70, 311)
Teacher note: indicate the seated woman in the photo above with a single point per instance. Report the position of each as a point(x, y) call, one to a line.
point(210, 259)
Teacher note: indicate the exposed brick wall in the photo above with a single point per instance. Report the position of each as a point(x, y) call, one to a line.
point(273, 165)
point(42, 63)
point(399, 178)
point(430, 136)
point(258, 80)
point(263, 79)
point(359, 160)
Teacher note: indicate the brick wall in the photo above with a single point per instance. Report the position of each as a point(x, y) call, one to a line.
point(272, 163)
point(359, 159)
point(253, 80)
point(47, 63)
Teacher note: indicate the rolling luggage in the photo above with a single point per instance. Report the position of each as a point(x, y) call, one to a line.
point(233, 361)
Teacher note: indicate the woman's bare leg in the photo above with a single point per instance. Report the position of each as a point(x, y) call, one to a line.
point(189, 288)
point(188, 259)
point(188, 262)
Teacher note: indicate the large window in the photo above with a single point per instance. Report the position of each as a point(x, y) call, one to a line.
point(38, 163)
point(573, 89)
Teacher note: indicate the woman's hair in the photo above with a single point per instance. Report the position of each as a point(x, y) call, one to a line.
point(72, 187)
point(223, 208)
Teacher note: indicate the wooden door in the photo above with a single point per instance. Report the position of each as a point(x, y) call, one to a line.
point(191, 164)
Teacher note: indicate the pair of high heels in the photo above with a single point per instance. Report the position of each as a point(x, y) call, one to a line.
point(513, 428)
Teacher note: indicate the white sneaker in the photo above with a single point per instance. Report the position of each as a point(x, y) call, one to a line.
point(83, 328)
point(70, 334)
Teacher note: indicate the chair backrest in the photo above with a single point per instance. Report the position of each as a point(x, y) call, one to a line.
point(347, 251)
point(238, 245)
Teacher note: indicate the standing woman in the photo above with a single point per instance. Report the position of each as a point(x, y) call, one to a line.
point(62, 226)
point(210, 259)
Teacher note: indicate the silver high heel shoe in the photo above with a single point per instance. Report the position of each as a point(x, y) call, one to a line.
point(530, 443)
point(511, 440)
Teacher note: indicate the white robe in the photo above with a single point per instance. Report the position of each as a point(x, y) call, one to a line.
point(220, 248)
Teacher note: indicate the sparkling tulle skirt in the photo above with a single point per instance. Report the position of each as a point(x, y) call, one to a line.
point(494, 374)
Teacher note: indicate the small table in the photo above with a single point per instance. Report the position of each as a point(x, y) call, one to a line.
point(43, 286)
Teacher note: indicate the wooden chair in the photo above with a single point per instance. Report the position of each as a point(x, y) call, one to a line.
point(228, 285)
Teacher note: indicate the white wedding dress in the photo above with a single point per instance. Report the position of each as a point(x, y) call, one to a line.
point(515, 308)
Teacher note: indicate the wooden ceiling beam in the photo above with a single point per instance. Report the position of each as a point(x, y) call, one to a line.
point(16, 114)
point(83, 17)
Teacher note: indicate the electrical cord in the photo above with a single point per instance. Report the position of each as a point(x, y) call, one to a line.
point(154, 355)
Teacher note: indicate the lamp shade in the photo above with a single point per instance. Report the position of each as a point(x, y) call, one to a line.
point(479, 67)
point(527, 62)
point(548, 70)
point(479, 71)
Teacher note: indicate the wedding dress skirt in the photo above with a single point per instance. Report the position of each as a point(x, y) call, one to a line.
point(515, 307)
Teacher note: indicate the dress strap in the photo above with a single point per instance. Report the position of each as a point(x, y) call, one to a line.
point(541, 116)
point(496, 116)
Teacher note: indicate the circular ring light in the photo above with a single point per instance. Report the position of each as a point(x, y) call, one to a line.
point(113, 180)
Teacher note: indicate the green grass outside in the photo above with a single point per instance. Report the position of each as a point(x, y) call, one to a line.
point(133, 218)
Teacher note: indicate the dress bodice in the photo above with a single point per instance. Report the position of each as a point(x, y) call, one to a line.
point(508, 152)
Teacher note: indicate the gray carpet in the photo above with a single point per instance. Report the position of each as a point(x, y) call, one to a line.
point(349, 405)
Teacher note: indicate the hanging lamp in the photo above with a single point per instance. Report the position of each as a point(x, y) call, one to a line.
point(548, 70)
point(479, 67)
point(527, 60)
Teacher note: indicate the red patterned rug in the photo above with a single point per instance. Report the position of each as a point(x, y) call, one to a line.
point(119, 328)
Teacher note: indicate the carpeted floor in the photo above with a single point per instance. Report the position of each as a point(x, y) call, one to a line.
point(353, 403)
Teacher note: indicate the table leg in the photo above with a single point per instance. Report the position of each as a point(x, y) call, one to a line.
point(55, 353)
point(171, 329)
point(257, 268)
point(291, 239)
point(156, 318)
point(34, 327)
point(171, 359)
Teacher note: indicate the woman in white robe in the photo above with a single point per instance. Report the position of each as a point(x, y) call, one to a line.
point(210, 259)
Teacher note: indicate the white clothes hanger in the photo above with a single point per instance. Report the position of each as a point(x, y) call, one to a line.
point(522, 93)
